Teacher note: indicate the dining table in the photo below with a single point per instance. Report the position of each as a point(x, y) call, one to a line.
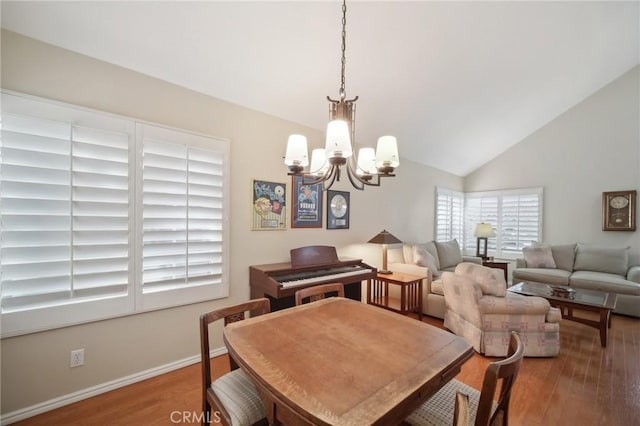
point(338, 361)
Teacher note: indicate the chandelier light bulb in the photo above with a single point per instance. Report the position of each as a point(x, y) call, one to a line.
point(338, 140)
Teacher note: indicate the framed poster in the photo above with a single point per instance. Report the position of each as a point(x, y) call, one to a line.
point(268, 208)
point(619, 211)
point(337, 210)
point(306, 204)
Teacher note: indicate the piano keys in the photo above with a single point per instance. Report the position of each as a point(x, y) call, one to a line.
point(310, 265)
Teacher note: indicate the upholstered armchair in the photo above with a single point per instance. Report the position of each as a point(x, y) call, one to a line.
point(480, 309)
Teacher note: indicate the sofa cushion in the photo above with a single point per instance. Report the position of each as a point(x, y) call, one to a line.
point(539, 256)
point(601, 259)
point(551, 276)
point(564, 256)
point(422, 257)
point(448, 254)
point(485, 277)
point(436, 287)
point(601, 281)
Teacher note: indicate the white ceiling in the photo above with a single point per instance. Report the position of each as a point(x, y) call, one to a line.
point(456, 82)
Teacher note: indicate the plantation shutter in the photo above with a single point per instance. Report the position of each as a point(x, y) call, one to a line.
point(182, 221)
point(449, 215)
point(521, 219)
point(35, 204)
point(102, 216)
point(64, 216)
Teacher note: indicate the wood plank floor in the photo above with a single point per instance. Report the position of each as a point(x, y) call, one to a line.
point(585, 385)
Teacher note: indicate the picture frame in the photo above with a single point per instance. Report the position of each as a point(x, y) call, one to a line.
point(338, 210)
point(306, 203)
point(268, 205)
point(619, 210)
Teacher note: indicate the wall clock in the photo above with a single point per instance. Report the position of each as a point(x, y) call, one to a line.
point(337, 210)
point(619, 211)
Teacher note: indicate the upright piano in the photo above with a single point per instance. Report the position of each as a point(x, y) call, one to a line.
point(309, 266)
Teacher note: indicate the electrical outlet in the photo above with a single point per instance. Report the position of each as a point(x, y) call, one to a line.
point(77, 358)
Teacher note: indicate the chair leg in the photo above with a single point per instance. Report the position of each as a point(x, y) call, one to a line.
point(206, 413)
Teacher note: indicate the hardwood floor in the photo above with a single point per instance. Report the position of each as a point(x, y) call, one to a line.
point(585, 385)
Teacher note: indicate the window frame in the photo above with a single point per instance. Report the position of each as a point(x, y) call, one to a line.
point(496, 248)
point(73, 312)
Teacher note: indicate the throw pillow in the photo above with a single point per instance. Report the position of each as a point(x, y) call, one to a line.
point(539, 256)
point(448, 253)
point(491, 283)
point(422, 257)
point(564, 256)
point(601, 259)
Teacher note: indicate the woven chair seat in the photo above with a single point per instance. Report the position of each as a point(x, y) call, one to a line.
point(438, 410)
point(239, 396)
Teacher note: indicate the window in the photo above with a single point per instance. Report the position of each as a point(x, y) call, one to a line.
point(516, 215)
point(449, 215)
point(81, 239)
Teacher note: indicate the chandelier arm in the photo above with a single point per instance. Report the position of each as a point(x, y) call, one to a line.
point(359, 182)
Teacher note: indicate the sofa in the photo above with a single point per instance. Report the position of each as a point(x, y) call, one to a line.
point(430, 260)
point(586, 267)
point(480, 309)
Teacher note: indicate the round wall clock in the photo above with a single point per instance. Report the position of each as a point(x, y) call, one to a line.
point(338, 210)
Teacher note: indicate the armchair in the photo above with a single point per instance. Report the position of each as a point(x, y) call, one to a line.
point(480, 309)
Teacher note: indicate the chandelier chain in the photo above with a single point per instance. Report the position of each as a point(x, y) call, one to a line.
point(344, 43)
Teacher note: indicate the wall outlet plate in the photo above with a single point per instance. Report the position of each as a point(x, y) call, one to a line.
point(77, 358)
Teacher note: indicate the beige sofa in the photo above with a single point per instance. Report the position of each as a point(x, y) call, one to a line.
point(430, 260)
point(586, 267)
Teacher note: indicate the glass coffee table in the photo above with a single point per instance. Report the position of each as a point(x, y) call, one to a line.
point(568, 298)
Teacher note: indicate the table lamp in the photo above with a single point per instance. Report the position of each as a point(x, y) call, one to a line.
point(384, 238)
point(482, 232)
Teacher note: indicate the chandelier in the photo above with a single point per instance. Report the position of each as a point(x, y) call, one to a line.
point(364, 170)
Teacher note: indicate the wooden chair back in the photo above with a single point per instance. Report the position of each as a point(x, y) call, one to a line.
point(229, 314)
point(319, 292)
point(505, 371)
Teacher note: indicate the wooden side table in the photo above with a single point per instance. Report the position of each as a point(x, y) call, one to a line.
point(501, 265)
point(410, 293)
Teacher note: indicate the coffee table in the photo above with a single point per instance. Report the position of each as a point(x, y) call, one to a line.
point(568, 298)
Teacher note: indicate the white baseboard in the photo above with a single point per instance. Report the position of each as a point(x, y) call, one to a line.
point(61, 401)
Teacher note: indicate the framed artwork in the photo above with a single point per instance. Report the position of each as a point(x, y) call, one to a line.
point(306, 204)
point(337, 210)
point(619, 211)
point(268, 207)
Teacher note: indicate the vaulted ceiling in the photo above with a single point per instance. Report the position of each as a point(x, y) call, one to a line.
point(456, 82)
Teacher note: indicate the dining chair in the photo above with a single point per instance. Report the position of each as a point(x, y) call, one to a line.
point(233, 394)
point(482, 409)
point(319, 292)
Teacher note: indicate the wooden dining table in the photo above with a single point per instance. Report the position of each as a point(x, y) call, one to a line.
point(341, 362)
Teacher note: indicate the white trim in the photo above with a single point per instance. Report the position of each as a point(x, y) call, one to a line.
point(80, 395)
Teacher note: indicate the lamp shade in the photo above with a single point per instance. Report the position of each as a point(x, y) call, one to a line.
point(338, 140)
point(387, 152)
point(296, 154)
point(319, 163)
point(484, 230)
point(366, 162)
point(384, 237)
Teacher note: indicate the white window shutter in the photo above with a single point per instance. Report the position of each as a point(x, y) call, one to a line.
point(183, 232)
point(101, 216)
point(449, 215)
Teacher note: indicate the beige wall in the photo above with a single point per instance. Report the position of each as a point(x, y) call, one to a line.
point(592, 148)
point(35, 366)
